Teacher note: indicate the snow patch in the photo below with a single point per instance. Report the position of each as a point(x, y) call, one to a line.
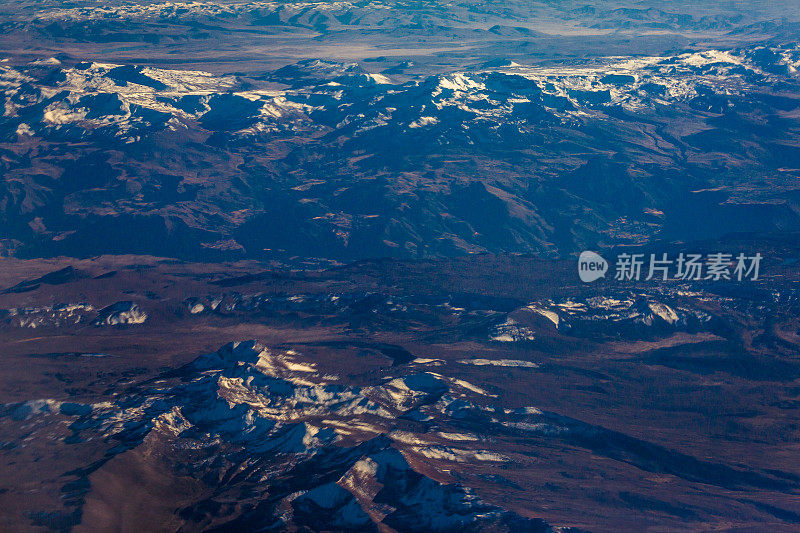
point(500, 362)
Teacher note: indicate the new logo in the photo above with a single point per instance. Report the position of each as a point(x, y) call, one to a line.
point(591, 266)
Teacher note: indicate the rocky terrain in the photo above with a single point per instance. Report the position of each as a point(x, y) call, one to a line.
point(310, 266)
point(221, 150)
point(325, 161)
point(405, 396)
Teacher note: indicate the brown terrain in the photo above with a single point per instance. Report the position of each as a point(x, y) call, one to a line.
point(693, 427)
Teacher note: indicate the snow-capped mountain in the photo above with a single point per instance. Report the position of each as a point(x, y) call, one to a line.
point(310, 452)
point(342, 163)
point(282, 445)
point(394, 395)
point(390, 195)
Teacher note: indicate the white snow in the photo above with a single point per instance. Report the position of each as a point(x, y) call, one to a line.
point(552, 316)
point(663, 311)
point(424, 121)
point(500, 362)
